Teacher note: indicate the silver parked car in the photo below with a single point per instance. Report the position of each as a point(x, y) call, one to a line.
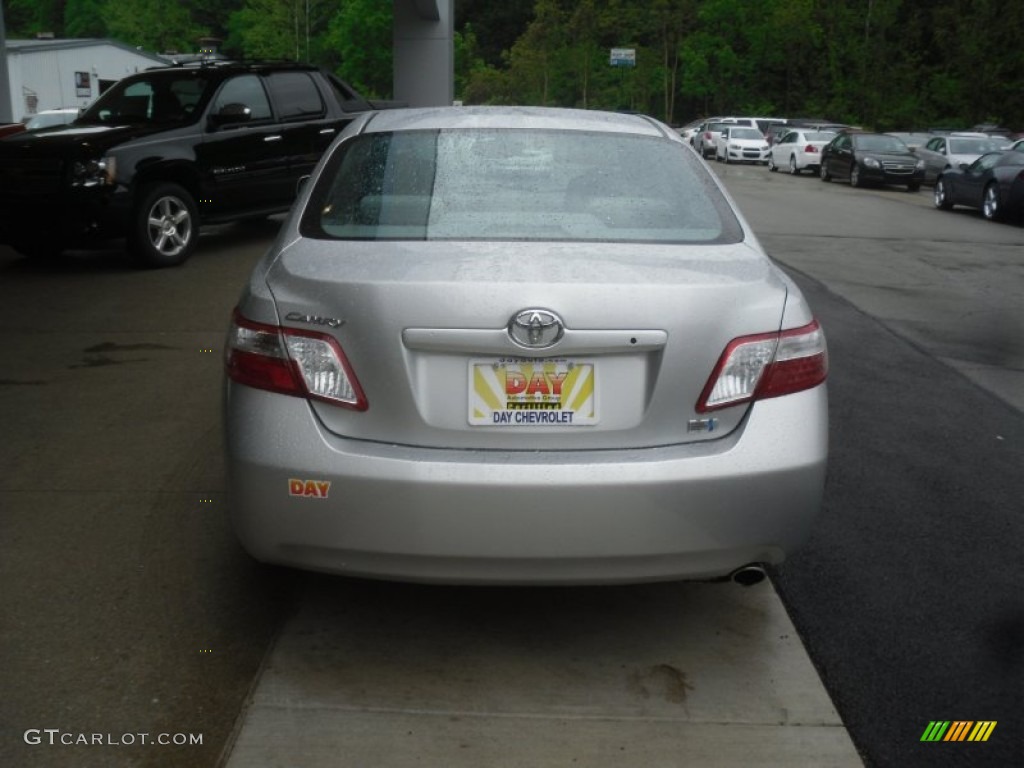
point(522, 345)
point(954, 151)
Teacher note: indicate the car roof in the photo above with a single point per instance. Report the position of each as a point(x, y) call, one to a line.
point(550, 118)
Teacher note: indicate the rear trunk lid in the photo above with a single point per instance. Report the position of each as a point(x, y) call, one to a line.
point(426, 328)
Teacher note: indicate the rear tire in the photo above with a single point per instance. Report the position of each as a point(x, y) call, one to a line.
point(793, 170)
point(165, 226)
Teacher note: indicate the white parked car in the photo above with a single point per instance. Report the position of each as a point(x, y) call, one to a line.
point(703, 139)
point(50, 117)
point(689, 130)
point(799, 150)
point(740, 144)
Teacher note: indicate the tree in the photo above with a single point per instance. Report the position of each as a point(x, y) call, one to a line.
point(359, 39)
point(84, 18)
point(151, 24)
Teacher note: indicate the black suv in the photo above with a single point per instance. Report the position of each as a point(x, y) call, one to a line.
point(166, 150)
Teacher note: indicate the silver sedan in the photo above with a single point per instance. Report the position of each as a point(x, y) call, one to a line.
point(521, 345)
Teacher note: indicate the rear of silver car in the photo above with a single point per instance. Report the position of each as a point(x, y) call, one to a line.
point(521, 346)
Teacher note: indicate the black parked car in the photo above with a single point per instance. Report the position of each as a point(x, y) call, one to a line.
point(166, 150)
point(871, 158)
point(993, 184)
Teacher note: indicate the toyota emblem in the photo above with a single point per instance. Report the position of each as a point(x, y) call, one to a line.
point(536, 328)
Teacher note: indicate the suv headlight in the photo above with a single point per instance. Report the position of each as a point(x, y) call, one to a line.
point(93, 173)
point(920, 165)
point(871, 162)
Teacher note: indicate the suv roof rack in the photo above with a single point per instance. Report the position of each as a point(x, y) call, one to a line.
point(240, 63)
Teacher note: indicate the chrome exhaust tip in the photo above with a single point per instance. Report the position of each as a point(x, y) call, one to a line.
point(748, 575)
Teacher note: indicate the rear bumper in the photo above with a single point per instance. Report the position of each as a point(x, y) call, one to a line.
point(495, 517)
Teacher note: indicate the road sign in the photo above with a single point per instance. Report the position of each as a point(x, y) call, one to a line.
point(623, 57)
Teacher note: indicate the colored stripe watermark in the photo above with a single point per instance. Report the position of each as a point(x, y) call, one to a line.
point(958, 730)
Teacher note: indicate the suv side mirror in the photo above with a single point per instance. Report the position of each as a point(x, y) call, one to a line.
point(230, 114)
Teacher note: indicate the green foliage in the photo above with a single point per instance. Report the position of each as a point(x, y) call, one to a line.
point(878, 63)
point(359, 36)
point(154, 25)
point(84, 18)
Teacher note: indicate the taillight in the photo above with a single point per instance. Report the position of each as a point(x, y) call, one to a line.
point(767, 365)
point(810, 148)
point(291, 362)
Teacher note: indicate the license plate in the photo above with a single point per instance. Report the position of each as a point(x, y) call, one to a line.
point(532, 392)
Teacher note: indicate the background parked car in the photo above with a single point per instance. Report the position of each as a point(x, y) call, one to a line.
point(871, 158)
point(913, 139)
point(167, 149)
point(994, 131)
point(993, 184)
point(741, 144)
point(776, 132)
point(704, 138)
point(799, 150)
point(6, 129)
point(954, 150)
point(1017, 146)
point(51, 117)
point(765, 125)
point(687, 131)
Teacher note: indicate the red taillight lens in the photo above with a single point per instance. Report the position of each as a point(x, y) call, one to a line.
point(767, 365)
point(811, 149)
point(291, 362)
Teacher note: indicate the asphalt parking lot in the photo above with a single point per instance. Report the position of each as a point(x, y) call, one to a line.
point(128, 607)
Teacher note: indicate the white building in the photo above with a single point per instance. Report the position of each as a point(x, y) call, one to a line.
point(53, 74)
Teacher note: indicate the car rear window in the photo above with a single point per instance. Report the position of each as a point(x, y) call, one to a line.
point(485, 184)
point(972, 146)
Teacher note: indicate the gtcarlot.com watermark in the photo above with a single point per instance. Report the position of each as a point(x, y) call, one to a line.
point(57, 737)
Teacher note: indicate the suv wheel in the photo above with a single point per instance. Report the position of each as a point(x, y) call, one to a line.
point(823, 171)
point(165, 228)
